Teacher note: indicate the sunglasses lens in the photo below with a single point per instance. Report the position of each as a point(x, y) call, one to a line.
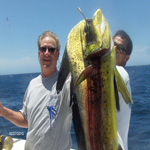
point(120, 47)
point(43, 49)
point(51, 49)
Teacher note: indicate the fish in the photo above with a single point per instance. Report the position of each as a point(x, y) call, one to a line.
point(90, 58)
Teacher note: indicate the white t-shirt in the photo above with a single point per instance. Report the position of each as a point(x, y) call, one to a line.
point(123, 116)
point(48, 129)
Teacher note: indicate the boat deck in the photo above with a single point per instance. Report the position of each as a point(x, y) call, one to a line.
point(19, 144)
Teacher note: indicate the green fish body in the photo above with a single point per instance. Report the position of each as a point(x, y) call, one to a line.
point(90, 57)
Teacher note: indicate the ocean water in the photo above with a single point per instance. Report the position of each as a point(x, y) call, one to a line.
point(12, 88)
point(139, 133)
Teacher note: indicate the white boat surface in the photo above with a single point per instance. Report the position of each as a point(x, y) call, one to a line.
point(18, 144)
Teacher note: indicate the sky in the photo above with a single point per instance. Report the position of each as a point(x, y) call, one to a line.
point(22, 21)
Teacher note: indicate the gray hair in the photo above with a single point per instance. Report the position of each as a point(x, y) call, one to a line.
point(50, 34)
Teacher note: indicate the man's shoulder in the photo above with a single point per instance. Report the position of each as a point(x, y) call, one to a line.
point(122, 70)
point(124, 74)
point(35, 80)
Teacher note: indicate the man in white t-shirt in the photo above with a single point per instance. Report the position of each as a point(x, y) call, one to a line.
point(46, 114)
point(123, 47)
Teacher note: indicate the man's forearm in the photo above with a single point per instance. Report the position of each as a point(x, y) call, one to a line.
point(16, 118)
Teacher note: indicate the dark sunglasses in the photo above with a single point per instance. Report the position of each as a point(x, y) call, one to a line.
point(120, 47)
point(50, 49)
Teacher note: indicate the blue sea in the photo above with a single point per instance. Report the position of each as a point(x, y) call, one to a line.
point(12, 89)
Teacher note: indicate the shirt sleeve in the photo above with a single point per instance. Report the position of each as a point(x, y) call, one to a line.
point(24, 107)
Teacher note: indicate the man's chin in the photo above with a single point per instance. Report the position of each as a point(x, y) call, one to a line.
point(46, 65)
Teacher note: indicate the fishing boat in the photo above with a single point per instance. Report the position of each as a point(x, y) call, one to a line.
point(18, 144)
point(8, 143)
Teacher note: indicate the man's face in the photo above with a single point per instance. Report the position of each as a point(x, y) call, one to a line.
point(120, 47)
point(48, 55)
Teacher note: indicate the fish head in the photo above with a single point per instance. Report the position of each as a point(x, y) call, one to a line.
point(96, 37)
point(93, 42)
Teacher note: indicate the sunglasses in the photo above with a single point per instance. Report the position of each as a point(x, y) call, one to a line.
point(120, 47)
point(50, 49)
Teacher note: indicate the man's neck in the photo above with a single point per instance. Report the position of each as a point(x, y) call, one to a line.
point(48, 74)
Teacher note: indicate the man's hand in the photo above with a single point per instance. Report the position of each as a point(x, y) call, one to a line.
point(1, 109)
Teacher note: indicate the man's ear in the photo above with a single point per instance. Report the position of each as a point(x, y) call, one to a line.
point(58, 55)
point(127, 57)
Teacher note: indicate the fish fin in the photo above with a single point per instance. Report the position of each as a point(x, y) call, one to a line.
point(116, 95)
point(63, 74)
point(122, 88)
point(77, 123)
point(84, 74)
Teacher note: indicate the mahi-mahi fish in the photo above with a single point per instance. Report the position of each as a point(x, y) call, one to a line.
point(90, 57)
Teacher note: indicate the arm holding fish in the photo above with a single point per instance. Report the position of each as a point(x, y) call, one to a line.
point(15, 117)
